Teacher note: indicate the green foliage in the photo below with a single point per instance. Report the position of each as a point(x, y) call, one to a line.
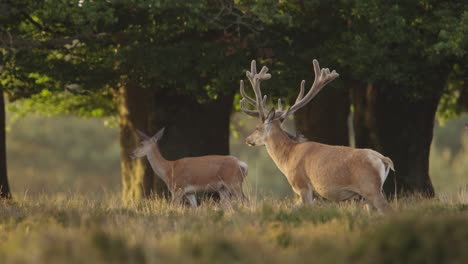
point(400, 42)
point(194, 48)
point(202, 48)
point(413, 48)
point(96, 104)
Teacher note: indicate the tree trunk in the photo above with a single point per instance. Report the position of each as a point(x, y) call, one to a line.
point(361, 117)
point(400, 128)
point(192, 129)
point(137, 176)
point(4, 186)
point(325, 119)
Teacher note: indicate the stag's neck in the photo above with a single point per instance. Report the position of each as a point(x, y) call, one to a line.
point(279, 146)
point(160, 165)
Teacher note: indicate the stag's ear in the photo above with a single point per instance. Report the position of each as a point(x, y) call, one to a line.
point(270, 116)
point(159, 135)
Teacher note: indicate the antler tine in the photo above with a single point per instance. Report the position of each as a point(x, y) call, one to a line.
point(246, 110)
point(244, 94)
point(280, 105)
point(248, 98)
point(263, 75)
point(322, 78)
point(253, 70)
point(325, 78)
point(255, 80)
point(301, 93)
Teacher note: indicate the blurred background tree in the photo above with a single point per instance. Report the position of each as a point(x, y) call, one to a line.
point(5, 192)
point(177, 64)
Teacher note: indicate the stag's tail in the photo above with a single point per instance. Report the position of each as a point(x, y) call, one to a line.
point(388, 163)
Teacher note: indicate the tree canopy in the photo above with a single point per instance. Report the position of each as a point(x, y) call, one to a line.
point(89, 48)
point(412, 45)
point(200, 48)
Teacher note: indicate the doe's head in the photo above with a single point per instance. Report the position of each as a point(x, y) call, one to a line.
point(146, 143)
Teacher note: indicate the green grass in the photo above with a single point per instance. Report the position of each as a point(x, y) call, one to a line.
point(76, 229)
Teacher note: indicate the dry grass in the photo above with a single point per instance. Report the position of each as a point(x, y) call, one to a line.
point(76, 229)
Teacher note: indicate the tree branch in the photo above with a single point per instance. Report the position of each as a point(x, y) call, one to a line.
point(34, 22)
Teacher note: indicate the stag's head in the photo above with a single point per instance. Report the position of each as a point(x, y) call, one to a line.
point(146, 143)
point(274, 118)
point(258, 137)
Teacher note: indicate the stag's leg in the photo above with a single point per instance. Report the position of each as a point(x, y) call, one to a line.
point(367, 206)
point(381, 204)
point(192, 200)
point(378, 201)
point(306, 198)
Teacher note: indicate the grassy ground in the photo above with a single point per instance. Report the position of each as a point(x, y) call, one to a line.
point(77, 229)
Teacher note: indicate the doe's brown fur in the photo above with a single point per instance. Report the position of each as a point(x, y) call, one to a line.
point(186, 176)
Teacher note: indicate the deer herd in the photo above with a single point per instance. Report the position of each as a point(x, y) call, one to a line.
point(336, 173)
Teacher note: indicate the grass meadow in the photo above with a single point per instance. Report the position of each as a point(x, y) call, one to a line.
point(75, 229)
point(65, 176)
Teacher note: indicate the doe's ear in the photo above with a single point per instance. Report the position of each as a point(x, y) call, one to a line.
point(159, 135)
point(270, 115)
point(142, 135)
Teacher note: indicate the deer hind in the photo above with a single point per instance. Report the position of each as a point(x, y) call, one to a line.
point(334, 172)
point(184, 177)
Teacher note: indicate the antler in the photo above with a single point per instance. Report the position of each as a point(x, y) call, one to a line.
point(259, 102)
point(322, 78)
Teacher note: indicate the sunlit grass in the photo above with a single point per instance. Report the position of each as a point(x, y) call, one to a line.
point(70, 228)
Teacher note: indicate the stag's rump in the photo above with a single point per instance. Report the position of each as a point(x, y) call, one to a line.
point(340, 173)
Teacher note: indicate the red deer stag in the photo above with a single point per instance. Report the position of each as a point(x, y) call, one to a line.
point(336, 173)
